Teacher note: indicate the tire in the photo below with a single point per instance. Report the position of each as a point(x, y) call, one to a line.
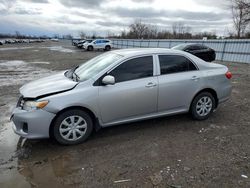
point(64, 131)
point(202, 106)
point(107, 48)
point(90, 48)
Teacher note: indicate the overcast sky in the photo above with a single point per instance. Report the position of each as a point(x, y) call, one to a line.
point(38, 17)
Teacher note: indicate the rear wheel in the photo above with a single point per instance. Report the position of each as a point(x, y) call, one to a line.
point(90, 48)
point(202, 106)
point(107, 48)
point(72, 127)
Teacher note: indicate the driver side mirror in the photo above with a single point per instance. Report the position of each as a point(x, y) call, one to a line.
point(108, 80)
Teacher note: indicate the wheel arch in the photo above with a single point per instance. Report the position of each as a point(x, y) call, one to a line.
point(87, 110)
point(209, 90)
point(90, 46)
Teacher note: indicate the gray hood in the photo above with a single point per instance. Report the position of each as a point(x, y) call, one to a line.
point(47, 85)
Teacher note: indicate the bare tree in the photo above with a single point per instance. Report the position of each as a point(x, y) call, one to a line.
point(180, 30)
point(151, 32)
point(68, 36)
point(241, 15)
point(94, 35)
point(82, 35)
point(18, 35)
point(138, 29)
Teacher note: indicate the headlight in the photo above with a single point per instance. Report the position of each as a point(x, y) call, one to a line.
point(34, 105)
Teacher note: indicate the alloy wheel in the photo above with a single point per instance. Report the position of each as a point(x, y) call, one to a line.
point(73, 128)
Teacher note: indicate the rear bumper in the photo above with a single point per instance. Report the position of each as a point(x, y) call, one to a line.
point(32, 125)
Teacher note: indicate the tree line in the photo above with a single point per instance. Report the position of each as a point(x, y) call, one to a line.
point(140, 30)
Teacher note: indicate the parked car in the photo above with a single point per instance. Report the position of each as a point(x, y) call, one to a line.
point(201, 51)
point(103, 44)
point(75, 42)
point(81, 43)
point(1, 42)
point(9, 41)
point(54, 40)
point(119, 87)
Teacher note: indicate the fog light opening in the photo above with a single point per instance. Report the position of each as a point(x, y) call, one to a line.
point(25, 127)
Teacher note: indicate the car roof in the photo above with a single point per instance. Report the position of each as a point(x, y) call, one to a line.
point(145, 51)
point(132, 52)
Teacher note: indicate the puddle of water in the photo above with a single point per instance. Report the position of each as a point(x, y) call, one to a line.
point(9, 159)
point(26, 163)
point(11, 145)
point(15, 48)
point(40, 62)
point(6, 108)
point(11, 63)
point(60, 49)
point(19, 72)
point(52, 48)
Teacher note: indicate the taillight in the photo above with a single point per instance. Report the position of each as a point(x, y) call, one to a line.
point(229, 75)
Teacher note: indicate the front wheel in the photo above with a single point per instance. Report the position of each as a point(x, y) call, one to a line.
point(202, 106)
point(72, 127)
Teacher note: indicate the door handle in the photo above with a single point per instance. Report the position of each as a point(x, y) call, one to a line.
point(150, 84)
point(195, 78)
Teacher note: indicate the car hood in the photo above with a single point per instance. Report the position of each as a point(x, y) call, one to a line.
point(48, 85)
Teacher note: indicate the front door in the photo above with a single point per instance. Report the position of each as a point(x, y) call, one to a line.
point(134, 94)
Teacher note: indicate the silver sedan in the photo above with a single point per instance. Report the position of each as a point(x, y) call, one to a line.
point(118, 87)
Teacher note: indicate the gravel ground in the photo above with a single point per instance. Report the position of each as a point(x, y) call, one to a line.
point(167, 152)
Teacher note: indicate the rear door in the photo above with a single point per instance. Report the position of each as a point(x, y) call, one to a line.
point(178, 82)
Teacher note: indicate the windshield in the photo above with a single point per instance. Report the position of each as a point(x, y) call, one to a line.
point(96, 65)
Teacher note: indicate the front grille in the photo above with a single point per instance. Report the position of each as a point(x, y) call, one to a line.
point(20, 102)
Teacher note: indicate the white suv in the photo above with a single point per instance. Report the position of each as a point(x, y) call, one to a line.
point(104, 44)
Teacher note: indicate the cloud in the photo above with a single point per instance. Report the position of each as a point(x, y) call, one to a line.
point(111, 24)
point(82, 3)
point(111, 15)
point(178, 14)
point(214, 3)
point(67, 20)
point(34, 11)
point(38, 1)
point(5, 4)
point(143, 1)
point(85, 15)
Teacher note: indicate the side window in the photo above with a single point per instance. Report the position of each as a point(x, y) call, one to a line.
point(174, 64)
point(136, 68)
